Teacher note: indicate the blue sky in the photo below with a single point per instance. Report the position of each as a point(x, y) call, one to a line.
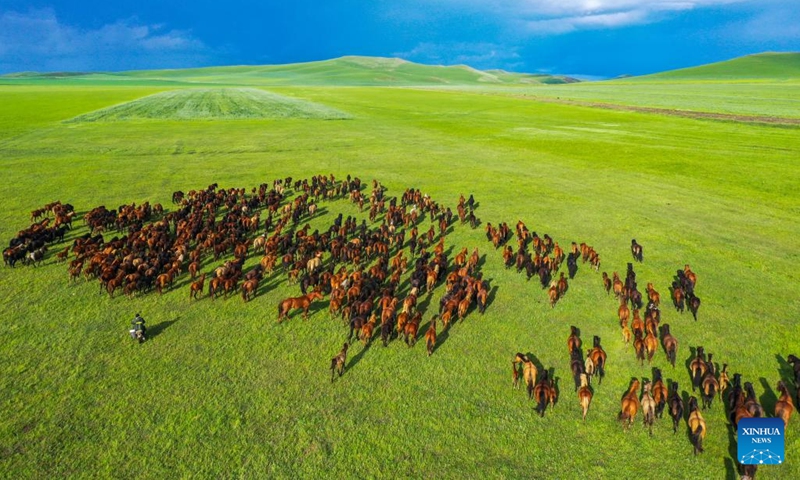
point(602, 38)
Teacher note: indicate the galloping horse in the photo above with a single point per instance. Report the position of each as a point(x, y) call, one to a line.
point(293, 303)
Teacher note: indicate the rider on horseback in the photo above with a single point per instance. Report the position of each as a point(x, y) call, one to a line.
point(137, 325)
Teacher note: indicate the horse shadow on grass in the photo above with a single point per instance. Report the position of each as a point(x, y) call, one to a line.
point(492, 294)
point(159, 328)
point(424, 304)
point(688, 362)
point(441, 337)
point(768, 399)
point(481, 261)
point(536, 362)
point(731, 466)
point(320, 212)
point(785, 371)
point(358, 356)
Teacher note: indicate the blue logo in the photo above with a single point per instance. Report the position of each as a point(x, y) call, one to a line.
point(761, 441)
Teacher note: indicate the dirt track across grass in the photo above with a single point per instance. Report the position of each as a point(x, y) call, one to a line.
point(764, 119)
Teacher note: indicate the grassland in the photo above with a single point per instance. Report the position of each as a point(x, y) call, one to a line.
point(224, 391)
point(344, 71)
point(212, 104)
point(766, 85)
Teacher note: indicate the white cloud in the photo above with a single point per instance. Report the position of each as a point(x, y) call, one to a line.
point(37, 40)
point(563, 16)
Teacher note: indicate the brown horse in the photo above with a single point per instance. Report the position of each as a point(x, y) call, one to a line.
point(573, 341)
point(411, 329)
point(697, 426)
point(626, 334)
point(249, 288)
point(368, 328)
point(552, 293)
point(337, 362)
point(638, 324)
point(544, 392)
point(690, 275)
point(785, 406)
point(648, 407)
point(294, 303)
point(709, 385)
point(606, 283)
point(402, 320)
point(650, 344)
point(584, 395)
point(430, 336)
point(529, 372)
point(698, 368)
point(197, 287)
point(598, 356)
point(624, 312)
point(659, 392)
point(675, 406)
point(163, 280)
point(670, 344)
point(619, 287)
point(630, 404)
point(724, 381)
point(638, 346)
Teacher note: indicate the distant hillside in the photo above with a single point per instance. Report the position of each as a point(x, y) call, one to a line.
point(344, 71)
point(763, 66)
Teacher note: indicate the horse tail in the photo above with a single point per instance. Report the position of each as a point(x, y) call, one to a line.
point(697, 378)
point(530, 388)
point(542, 402)
point(697, 440)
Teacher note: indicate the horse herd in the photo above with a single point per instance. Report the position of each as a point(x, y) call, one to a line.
point(651, 397)
point(362, 270)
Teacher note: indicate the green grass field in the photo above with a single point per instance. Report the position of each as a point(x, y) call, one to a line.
point(222, 390)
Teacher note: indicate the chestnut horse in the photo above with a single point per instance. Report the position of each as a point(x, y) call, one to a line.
point(197, 287)
point(630, 404)
point(294, 303)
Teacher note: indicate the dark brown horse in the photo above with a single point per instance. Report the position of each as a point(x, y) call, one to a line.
point(294, 303)
point(670, 344)
point(785, 406)
point(338, 362)
point(249, 289)
point(697, 426)
point(675, 406)
point(544, 392)
point(636, 251)
point(598, 356)
point(573, 341)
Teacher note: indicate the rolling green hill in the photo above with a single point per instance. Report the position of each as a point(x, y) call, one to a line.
point(758, 87)
point(345, 71)
point(762, 66)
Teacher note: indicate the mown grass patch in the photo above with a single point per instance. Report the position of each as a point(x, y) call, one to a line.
point(213, 104)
